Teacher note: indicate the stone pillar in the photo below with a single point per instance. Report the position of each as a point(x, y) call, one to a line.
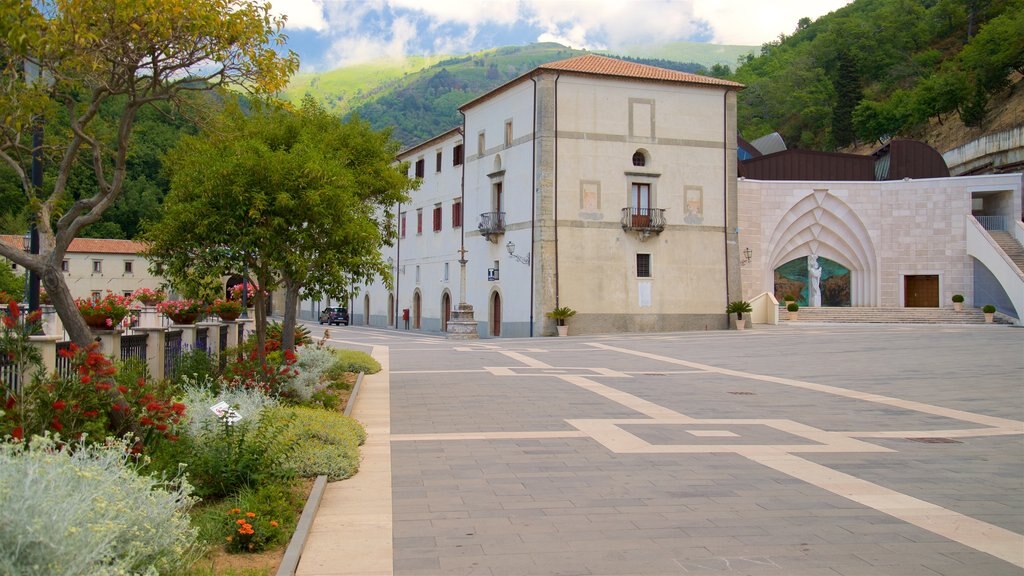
point(545, 251)
point(110, 342)
point(149, 317)
point(155, 340)
point(188, 335)
point(461, 325)
point(47, 346)
point(212, 336)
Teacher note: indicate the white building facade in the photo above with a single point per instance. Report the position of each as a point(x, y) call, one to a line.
point(593, 183)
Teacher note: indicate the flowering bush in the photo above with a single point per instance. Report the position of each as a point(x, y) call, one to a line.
point(83, 510)
point(111, 307)
point(272, 374)
point(249, 532)
point(236, 292)
point(324, 442)
point(6, 298)
point(226, 308)
point(92, 404)
point(149, 297)
point(173, 307)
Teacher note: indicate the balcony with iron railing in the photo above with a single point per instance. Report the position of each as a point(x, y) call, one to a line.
point(643, 220)
point(492, 224)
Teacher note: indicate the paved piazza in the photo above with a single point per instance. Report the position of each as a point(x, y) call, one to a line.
point(793, 450)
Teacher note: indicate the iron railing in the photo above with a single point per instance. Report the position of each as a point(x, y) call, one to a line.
point(9, 376)
point(133, 346)
point(492, 223)
point(994, 222)
point(64, 369)
point(203, 339)
point(172, 351)
point(643, 219)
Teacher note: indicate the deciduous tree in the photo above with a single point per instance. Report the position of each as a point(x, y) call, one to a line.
point(88, 52)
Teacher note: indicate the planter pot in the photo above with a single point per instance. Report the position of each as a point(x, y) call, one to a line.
point(989, 317)
point(100, 322)
point(793, 315)
point(150, 302)
point(741, 323)
point(229, 316)
point(958, 306)
point(186, 318)
point(563, 330)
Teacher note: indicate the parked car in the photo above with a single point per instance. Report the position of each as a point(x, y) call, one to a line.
point(334, 316)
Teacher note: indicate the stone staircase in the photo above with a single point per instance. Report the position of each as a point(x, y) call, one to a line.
point(1009, 244)
point(889, 315)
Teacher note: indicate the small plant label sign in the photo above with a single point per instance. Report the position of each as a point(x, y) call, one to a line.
point(224, 411)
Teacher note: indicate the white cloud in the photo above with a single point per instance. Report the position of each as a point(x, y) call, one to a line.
point(358, 30)
point(302, 14)
point(754, 22)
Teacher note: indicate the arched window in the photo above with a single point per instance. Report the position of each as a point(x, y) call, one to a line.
point(639, 158)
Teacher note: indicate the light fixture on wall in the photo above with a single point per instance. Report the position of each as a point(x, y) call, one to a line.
point(747, 256)
point(511, 247)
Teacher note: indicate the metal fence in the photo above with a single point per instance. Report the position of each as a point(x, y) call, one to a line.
point(172, 351)
point(994, 222)
point(9, 374)
point(203, 339)
point(133, 346)
point(64, 369)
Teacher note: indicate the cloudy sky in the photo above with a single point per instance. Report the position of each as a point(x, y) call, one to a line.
point(332, 33)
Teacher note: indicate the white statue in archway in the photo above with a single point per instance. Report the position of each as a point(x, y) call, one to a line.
point(814, 278)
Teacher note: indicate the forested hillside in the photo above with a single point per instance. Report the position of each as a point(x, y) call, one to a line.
point(882, 68)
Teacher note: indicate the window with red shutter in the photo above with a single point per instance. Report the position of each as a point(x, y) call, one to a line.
point(419, 221)
point(437, 218)
point(457, 214)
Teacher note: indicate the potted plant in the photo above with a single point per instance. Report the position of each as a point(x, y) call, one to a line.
point(788, 298)
point(181, 311)
point(958, 302)
point(793, 309)
point(226, 309)
point(738, 308)
point(990, 313)
point(149, 297)
point(236, 293)
point(560, 315)
point(106, 312)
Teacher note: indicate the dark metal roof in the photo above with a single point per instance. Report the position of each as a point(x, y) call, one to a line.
point(896, 160)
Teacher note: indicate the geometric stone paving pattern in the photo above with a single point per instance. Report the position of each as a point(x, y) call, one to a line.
point(773, 451)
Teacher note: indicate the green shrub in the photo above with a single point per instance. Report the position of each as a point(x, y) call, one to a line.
point(988, 309)
point(195, 364)
point(270, 511)
point(224, 459)
point(200, 395)
point(792, 307)
point(958, 297)
point(302, 337)
point(324, 442)
point(83, 510)
point(313, 364)
point(353, 361)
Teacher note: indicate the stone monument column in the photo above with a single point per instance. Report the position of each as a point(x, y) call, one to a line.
point(461, 325)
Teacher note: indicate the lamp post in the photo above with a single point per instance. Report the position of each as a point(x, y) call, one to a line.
point(511, 247)
point(34, 73)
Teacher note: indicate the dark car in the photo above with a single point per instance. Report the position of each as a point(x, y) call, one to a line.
point(334, 316)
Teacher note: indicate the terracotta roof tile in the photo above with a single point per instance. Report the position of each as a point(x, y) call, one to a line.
point(87, 245)
point(605, 66)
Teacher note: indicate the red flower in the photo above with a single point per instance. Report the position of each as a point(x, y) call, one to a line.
point(90, 413)
point(122, 389)
point(178, 408)
point(18, 433)
point(103, 386)
point(153, 407)
point(86, 379)
point(10, 403)
point(161, 427)
point(59, 405)
point(145, 421)
point(56, 425)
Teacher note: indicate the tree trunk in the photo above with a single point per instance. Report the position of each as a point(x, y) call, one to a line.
point(291, 300)
point(60, 296)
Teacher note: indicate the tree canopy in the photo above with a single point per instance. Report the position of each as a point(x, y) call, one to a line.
point(301, 199)
point(71, 57)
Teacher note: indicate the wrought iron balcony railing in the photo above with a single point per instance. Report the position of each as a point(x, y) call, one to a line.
point(492, 224)
point(645, 220)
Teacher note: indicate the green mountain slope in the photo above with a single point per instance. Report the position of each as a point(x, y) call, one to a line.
point(707, 55)
point(420, 100)
point(876, 69)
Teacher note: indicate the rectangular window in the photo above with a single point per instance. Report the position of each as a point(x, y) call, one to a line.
point(127, 266)
point(457, 214)
point(126, 293)
point(445, 271)
point(417, 273)
point(96, 295)
point(480, 141)
point(401, 231)
point(438, 168)
point(97, 266)
point(643, 265)
point(419, 168)
point(508, 133)
point(457, 155)
point(437, 218)
point(419, 221)
point(64, 266)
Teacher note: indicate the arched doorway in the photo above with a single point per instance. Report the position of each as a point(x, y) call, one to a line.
point(391, 309)
point(446, 311)
point(495, 315)
point(366, 310)
point(416, 310)
point(792, 278)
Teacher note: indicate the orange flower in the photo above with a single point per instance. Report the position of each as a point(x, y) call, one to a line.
point(250, 514)
point(273, 523)
point(234, 511)
point(240, 521)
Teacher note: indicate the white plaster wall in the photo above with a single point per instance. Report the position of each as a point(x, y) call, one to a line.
point(914, 227)
point(83, 282)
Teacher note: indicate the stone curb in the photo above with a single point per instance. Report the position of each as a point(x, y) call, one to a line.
point(290, 562)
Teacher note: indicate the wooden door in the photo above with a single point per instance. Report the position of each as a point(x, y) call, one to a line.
point(496, 315)
point(921, 291)
point(446, 311)
point(416, 311)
